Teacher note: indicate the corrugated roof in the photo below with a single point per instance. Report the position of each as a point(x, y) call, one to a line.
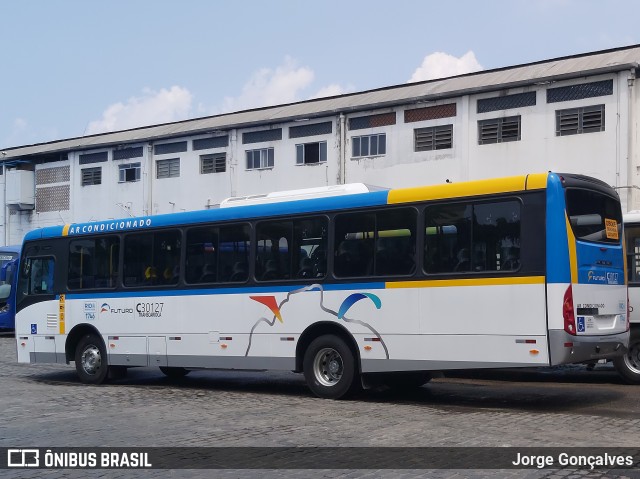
point(509, 77)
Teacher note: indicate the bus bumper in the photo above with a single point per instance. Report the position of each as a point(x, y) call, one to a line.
point(565, 348)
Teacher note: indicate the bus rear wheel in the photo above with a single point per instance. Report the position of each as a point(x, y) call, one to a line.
point(330, 367)
point(91, 360)
point(173, 372)
point(628, 366)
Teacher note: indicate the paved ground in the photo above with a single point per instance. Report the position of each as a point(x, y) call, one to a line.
point(46, 406)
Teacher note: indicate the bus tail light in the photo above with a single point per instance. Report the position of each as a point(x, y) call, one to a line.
point(567, 312)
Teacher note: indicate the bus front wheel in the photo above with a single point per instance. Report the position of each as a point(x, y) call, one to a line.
point(91, 360)
point(330, 367)
point(629, 365)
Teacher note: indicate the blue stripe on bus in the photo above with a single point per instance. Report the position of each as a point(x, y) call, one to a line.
point(321, 205)
point(216, 291)
point(558, 269)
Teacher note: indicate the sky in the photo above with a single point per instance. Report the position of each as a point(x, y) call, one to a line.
point(70, 68)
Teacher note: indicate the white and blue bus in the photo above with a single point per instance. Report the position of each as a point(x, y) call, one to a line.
point(9, 256)
point(628, 365)
point(349, 286)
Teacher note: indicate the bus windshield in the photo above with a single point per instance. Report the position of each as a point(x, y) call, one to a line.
point(594, 216)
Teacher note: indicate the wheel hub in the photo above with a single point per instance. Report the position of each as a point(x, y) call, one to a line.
point(91, 360)
point(328, 367)
point(632, 358)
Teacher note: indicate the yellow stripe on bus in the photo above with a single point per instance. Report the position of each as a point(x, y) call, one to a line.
point(468, 188)
point(573, 257)
point(445, 283)
point(65, 230)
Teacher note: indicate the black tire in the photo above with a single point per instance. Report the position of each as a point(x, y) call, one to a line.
point(173, 372)
point(406, 380)
point(91, 360)
point(330, 368)
point(628, 366)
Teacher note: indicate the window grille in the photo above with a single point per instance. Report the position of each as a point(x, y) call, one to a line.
point(499, 130)
point(128, 153)
point(168, 168)
point(94, 157)
point(574, 121)
point(176, 147)
point(260, 136)
point(505, 102)
point(311, 130)
point(215, 163)
point(91, 176)
point(433, 138)
point(214, 142)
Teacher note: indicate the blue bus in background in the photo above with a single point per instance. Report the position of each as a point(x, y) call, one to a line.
point(9, 258)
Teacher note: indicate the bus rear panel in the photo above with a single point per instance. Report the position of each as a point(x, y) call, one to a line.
point(586, 282)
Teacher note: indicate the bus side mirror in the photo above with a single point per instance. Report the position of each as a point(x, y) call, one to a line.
point(26, 268)
point(6, 275)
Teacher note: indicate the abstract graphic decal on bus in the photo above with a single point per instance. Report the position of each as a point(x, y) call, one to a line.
point(354, 298)
point(269, 302)
point(276, 309)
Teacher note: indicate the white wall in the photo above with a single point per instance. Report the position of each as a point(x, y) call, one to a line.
point(611, 155)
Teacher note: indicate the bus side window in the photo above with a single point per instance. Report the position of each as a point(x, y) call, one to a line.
point(447, 247)
point(354, 236)
point(632, 239)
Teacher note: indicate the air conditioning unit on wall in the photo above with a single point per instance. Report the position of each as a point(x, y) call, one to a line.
point(21, 189)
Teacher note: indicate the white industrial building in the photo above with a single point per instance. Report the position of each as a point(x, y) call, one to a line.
point(576, 114)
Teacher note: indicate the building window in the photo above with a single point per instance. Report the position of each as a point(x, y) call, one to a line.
point(213, 142)
point(168, 148)
point(214, 163)
point(372, 121)
point(91, 176)
point(581, 91)
point(574, 121)
point(369, 145)
point(129, 172)
point(128, 153)
point(263, 135)
point(325, 128)
point(168, 168)
point(504, 102)
point(309, 153)
point(94, 157)
point(257, 159)
point(499, 130)
point(433, 138)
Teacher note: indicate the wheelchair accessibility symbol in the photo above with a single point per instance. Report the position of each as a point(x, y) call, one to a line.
point(581, 328)
point(34, 329)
